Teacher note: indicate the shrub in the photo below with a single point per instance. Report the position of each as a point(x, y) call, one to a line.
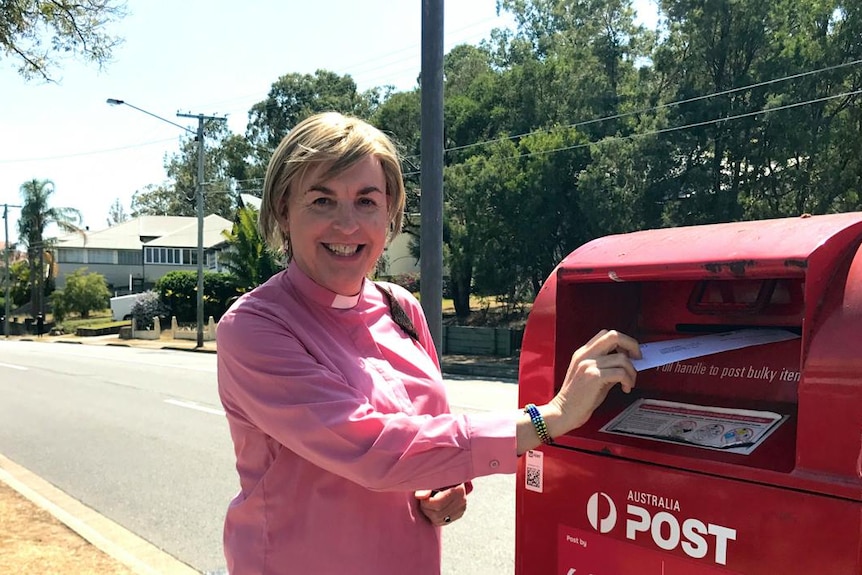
point(410, 282)
point(58, 306)
point(178, 291)
point(147, 306)
point(83, 293)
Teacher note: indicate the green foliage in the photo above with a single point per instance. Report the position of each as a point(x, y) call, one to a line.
point(248, 258)
point(34, 31)
point(19, 278)
point(58, 306)
point(36, 215)
point(294, 97)
point(178, 196)
point(83, 293)
point(177, 291)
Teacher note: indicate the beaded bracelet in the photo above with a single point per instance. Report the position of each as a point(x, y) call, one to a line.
point(539, 423)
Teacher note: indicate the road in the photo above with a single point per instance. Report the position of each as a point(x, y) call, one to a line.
point(139, 436)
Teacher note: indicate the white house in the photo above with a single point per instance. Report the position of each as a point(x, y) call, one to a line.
point(133, 255)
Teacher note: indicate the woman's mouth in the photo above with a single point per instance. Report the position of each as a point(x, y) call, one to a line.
point(343, 249)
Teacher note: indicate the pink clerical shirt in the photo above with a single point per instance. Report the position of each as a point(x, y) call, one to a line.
point(337, 417)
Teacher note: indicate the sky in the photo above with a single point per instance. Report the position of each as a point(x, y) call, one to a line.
point(212, 57)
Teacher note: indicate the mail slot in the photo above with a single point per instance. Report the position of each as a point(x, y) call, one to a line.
point(741, 461)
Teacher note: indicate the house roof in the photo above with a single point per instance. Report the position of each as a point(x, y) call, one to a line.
point(162, 231)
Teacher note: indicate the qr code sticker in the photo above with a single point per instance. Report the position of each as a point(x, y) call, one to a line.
point(534, 478)
point(535, 470)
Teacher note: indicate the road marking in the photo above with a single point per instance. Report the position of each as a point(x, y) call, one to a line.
point(195, 406)
point(10, 366)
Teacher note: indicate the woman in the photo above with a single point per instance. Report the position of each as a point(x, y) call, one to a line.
point(348, 457)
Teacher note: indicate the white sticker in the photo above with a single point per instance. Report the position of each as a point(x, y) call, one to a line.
point(534, 479)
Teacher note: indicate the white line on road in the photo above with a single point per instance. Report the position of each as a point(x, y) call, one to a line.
point(10, 366)
point(195, 406)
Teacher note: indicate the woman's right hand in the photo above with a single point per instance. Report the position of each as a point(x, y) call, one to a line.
point(594, 369)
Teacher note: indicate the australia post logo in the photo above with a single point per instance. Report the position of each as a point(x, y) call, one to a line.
point(659, 519)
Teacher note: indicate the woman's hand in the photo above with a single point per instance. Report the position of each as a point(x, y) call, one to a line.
point(594, 369)
point(443, 506)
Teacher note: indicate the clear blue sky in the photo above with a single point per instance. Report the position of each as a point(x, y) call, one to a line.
point(197, 56)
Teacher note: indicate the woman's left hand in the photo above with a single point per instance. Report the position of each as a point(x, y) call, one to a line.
point(443, 506)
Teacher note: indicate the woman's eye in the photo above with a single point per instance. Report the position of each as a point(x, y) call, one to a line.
point(367, 202)
point(321, 201)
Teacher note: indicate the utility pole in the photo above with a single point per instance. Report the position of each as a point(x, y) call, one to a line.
point(6, 280)
point(199, 210)
point(199, 198)
point(431, 179)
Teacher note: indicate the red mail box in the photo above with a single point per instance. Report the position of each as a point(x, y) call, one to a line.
point(603, 503)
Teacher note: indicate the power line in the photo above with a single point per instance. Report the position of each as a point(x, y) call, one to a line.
point(90, 153)
point(654, 108)
point(675, 128)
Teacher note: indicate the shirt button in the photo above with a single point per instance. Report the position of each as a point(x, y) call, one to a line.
point(494, 464)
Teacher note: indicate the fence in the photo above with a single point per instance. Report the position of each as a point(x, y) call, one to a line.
point(492, 341)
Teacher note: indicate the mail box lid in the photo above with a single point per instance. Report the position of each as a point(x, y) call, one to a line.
point(776, 248)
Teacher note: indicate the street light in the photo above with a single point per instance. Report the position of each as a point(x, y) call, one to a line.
point(199, 199)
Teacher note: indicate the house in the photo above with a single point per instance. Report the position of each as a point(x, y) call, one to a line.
point(133, 255)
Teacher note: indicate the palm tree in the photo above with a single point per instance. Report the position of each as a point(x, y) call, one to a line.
point(249, 259)
point(36, 215)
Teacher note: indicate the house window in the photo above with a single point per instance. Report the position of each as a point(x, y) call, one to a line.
point(100, 256)
point(129, 257)
point(169, 256)
point(70, 255)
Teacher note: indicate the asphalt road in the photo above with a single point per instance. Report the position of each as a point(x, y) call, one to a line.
point(139, 436)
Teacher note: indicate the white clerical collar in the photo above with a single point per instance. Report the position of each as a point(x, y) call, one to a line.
point(345, 301)
point(320, 294)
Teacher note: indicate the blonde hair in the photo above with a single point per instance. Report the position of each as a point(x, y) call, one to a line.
point(338, 142)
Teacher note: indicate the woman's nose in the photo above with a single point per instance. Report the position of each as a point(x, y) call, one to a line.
point(346, 218)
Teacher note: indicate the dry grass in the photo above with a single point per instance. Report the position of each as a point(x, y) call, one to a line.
point(33, 542)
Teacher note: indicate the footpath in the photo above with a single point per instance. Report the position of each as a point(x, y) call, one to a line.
point(44, 531)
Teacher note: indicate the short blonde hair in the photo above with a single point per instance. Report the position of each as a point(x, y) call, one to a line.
point(339, 142)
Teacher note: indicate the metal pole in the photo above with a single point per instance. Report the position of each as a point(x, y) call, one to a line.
point(431, 181)
point(199, 210)
point(199, 200)
point(6, 271)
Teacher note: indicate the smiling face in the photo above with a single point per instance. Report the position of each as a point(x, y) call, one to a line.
point(338, 226)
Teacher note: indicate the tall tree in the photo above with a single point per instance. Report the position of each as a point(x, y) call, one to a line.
point(35, 32)
point(779, 136)
point(36, 215)
point(177, 196)
point(294, 97)
point(117, 213)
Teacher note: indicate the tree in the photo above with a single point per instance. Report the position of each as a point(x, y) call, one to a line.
point(294, 97)
point(248, 258)
point(177, 197)
point(19, 280)
point(34, 32)
point(36, 215)
point(83, 293)
point(117, 213)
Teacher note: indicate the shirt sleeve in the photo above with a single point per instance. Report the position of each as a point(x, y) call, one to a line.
point(270, 382)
